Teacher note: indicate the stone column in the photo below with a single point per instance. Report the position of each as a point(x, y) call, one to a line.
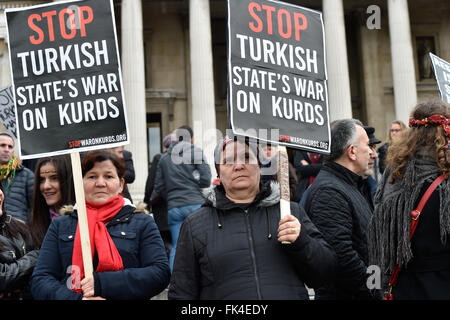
point(339, 97)
point(444, 35)
point(202, 80)
point(133, 69)
point(405, 94)
point(372, 76)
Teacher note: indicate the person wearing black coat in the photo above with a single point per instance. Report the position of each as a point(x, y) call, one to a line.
point(155, 201)
point(128, 254)
point(307, 166)
point(17, 256)
point(417, 158)
point(340, 211)
point(232, 248)
point(181, 174)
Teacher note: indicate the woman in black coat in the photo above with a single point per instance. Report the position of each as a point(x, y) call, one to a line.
point(414, 162)
point(17, 256)
point(232, 247)
point(127, 251)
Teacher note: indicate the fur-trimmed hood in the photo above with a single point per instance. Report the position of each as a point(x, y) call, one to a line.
point(269, 195)
point(141, 207)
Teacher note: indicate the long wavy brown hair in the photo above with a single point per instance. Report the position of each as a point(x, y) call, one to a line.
point(40, 216)
point(432, 137)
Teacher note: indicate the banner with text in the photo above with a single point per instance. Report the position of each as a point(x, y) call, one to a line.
point(66, 77)
point(277, 75)
point(442, 73)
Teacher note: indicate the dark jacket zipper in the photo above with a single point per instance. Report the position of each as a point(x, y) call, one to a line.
point(252, 253)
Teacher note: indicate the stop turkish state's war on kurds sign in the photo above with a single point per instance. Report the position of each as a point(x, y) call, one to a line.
point(66, 77)
point(442, 73)
point(277, 74)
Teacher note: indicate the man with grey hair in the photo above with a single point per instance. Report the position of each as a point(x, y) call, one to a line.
point(337, 207)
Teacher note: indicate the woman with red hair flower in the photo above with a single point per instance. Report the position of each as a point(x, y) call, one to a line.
point(408, 235)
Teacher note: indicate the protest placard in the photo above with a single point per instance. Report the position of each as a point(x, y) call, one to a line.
point(66, 76)
point(277, 74)
point(68, 88)
point(442, 72)
point(7, 111)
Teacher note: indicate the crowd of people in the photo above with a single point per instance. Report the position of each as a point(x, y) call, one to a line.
point(354, 208)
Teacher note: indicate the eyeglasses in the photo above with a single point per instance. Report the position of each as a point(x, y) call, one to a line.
point(396, 130)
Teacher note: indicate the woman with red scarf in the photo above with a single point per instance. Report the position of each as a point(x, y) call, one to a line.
point(127, 250)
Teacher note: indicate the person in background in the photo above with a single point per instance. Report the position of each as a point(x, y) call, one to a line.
point(18, 256)
point(370, 184)
point(414, 161)
point(307, 166)
point(181, 174)
point(53, 188)
point(232, 247)
point(128, 253)
point(127, 158)
point(17, 181)
point(341, 212)
point(154, 200)
point(269, 168)
point(269, 162)
point(395, 132)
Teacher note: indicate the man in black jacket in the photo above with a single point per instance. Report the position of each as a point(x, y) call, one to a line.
point(232, 247)
point(337, 207)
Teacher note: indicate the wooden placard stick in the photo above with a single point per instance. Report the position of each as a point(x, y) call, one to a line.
point(82, 215)
point(283, 180)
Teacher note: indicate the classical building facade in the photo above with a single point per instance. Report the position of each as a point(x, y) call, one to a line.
point(173, 57)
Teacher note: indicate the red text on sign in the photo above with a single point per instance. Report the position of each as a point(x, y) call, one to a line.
point(67, 19)
point(286, 20)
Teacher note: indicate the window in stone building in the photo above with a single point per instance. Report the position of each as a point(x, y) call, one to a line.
point(425, 45)
point(154, 137)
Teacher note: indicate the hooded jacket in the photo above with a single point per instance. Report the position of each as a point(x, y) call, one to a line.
point(182, 172)
point(145, 267)
point(227, 251)
point(17, 260)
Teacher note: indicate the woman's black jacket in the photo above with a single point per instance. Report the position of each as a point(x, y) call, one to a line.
point(226, 251)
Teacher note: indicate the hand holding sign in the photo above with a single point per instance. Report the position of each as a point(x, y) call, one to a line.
point(283, 179)
point(276, 66)
point(66, 74)
point(68, 88)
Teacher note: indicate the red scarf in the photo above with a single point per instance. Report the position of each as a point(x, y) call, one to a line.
point(109, 258)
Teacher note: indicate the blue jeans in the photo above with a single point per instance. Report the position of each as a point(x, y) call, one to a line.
point(175, 218)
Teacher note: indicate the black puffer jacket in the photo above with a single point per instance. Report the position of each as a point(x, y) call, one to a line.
point(17, 260)
point(227, 252)
point(337, 207)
